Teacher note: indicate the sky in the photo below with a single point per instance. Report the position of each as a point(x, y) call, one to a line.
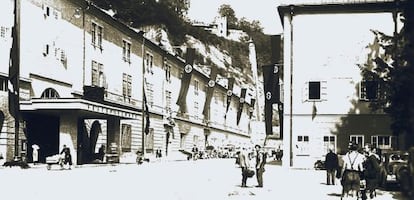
point(264, 11)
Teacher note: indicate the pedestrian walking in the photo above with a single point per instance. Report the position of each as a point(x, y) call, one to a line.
point(35, 153)
point(331, 165)
point(67, 159)
point(371, 170)
point(353, 166)
point(260, 163)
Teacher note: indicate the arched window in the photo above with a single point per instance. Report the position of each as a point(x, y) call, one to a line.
point(50, 93)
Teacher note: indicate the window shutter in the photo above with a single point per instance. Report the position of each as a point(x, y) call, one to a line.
point(95, 73)
point(305, 92)
point(324, 90)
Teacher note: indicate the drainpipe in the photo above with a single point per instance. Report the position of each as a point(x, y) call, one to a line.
point(291, 88)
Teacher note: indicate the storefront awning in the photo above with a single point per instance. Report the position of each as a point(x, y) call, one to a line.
point(85, 108)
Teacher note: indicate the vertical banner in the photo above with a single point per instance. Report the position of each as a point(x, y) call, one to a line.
point(280, 111)
point(14, 74)
point(251, 108)
point(210, 92)
point(186, 79)
point(241, 104)
point(271, 92)
point(147, 116)
point(229, 93)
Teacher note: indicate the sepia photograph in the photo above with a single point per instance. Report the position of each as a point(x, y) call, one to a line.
point(207, 100)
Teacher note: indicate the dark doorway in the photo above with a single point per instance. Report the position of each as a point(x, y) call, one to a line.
point(42, 130)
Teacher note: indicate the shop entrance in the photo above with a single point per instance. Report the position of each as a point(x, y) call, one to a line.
point(42, 130)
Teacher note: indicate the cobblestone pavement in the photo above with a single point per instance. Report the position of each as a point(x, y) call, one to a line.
point(213, 179)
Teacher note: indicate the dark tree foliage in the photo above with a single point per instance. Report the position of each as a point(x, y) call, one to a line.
point(226, 10)
point(394, 71)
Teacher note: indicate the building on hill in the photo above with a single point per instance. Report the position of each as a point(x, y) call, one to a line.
point(325, 96)
point(81, 84)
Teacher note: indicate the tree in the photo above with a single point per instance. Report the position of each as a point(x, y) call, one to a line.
point(226, 10)
point(180, 7)
point(394, 72)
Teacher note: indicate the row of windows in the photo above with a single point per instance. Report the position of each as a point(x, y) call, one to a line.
point(317, 90)
point(381, 141)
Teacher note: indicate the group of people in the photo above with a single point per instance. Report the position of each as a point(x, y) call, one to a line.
point(352, 168)
point(244, 162)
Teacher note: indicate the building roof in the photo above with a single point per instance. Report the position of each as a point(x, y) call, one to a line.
point(349, 7)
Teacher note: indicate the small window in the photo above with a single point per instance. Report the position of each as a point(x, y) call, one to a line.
point(96, 35)
point(167, 72)
point(50, 93)
point(369, 90)
point(3, 84)
point(196, 87)
point(126, 51)
point(149, 62)
point(314, 90)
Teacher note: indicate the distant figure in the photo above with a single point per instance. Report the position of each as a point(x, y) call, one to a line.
point(101, 153)
point(372, 170)
point(195, 152)
point(331, 165)
point(260, 163)
point(244, 165)
point(67, 157)
point(35, 153)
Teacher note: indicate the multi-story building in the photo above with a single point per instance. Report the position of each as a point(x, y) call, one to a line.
point(81, 84)
point(325, 95)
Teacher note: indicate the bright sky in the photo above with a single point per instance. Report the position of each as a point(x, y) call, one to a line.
point(264, 11)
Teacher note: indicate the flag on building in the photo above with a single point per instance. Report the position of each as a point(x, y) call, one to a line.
point(314, 111)
point(271, 92)
point(186, 79)
point(210, 92)
point(251, 108)
point(14, 71)
point(229, 93)
point(242, 100)
point(147, 115)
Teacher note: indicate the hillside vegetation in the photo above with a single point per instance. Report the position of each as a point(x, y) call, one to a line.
point(171, 14)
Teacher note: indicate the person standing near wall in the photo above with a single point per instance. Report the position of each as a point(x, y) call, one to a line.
point(331, 165)
point(260, 163)
point(35, 153)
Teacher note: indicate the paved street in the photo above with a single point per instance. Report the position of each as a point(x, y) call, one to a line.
point(182, 180)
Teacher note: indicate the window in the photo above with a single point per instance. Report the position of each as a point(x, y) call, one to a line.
point(3, 84)
point(358, 139)
point(167, 72)
point(51, 12)
point(302, 146)
point(126, 51)
point(3, 31)
point(196, 110)
point(315, 91)
point(149, 59)
point(96, 34)
point(196, 87)
point(50, 93)
point(383, 141)
point(126, 137)
point(369, 90)
point(150, 93)
point(329, 143)
point(168, 101)
point(98, 76)
point(126, 85)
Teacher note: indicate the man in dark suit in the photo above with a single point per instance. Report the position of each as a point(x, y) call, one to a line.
point(331, 165)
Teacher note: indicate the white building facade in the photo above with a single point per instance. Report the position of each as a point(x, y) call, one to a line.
point(81, 84)
point(325, 103)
